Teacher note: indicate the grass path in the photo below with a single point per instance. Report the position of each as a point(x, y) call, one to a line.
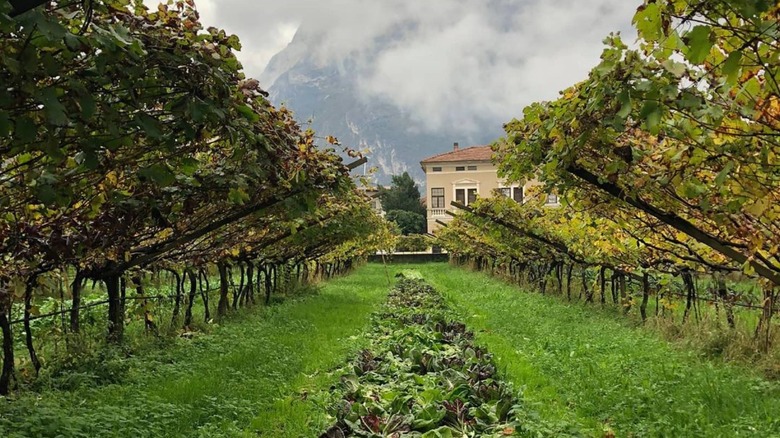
point(233, 381)
point(585, 367)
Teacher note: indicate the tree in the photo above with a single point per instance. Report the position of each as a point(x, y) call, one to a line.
point(402, 195)
point(408, 222)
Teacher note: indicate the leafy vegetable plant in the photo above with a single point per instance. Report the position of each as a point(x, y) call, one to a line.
point(423, 376)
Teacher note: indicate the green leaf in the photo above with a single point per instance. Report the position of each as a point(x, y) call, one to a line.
point(122, 34)
point(699, 44)
point(693, 188)
point(88, 159)
point(674, 67)
point(248, 113)
point(648, 22)
point(46, 194)
point(50, 195)
point(5, 124)
point(613, 167)
point(25, 129)
point(651, 113)
point(197, 110)
point(625, 109)
point(758, 207)
point(238, 196)
point(689, 100)
point(233, 42)
point(697, 156)
point(73, 42)
point(52, 148)
point(56, 113)
point(158, 173)
point(442, 432)
point(87, 105)
point(189, 166)
point(48, 26)
point(723, 174)
point(731, 67)
point(149, 124)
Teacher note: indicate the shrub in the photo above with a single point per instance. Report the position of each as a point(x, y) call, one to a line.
point(86, 367)
point(411, 243)
point(408, 222)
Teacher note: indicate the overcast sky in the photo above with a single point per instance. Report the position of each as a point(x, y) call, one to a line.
point(497, 55)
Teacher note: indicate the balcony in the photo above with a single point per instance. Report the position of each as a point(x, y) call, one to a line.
point(437, 212)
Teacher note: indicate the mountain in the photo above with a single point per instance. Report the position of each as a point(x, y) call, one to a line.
point(327, 93)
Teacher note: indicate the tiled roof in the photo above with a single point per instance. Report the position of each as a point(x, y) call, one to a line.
point(474, 153)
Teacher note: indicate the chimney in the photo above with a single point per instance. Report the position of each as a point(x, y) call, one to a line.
point(455, 146)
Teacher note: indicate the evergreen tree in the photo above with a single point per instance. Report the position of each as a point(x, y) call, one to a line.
point(403, 194)
point(403, 205)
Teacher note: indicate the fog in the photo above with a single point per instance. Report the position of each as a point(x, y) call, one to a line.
point(447, 63)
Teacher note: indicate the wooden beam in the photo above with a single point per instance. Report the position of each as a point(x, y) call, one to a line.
point(355, 164)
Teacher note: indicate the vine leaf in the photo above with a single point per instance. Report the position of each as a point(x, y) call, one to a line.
point(158, 173)
point(55, 112)
point(149, 124)
point(699, 44)
point(25, 129)
point(648, 21)
point(651, 112)
point(238, 196)
point(625, 109)
point(5, 124)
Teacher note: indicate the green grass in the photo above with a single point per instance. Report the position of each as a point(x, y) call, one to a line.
point(592, 368)
point(259, 373)
point(236, 380)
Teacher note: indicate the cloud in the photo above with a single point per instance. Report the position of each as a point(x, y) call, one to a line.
point(448, 63)
point(485, 64)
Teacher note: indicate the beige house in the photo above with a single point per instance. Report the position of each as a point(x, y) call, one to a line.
point(372, 193)
point(463, 175)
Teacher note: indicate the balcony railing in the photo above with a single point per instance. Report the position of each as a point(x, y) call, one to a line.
point(437, 212)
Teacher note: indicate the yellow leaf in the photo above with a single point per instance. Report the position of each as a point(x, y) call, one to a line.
point(164, 234)
point(111, 178)
point(758, 207)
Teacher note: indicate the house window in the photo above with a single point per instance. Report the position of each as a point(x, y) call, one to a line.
point(552, 199)
point(472, 167)
point(517, 194)
point(472, 195)
point(465, 196)
point(513, 192)
point(437, 198)
point(436, 169)
point(460, 196)
point(460, 168)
